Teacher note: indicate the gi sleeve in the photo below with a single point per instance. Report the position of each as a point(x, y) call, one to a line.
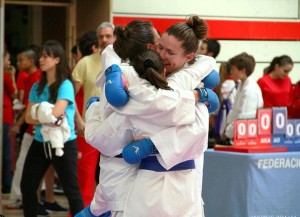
point(164, 106)
point(108, 135)
point(178, 144)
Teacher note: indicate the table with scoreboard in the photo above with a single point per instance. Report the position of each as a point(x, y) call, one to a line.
point(259, 176)
point(270, 128)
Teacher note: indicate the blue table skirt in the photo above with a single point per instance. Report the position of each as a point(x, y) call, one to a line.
point(251, 185)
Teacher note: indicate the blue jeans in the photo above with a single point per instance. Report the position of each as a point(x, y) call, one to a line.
point(7, 171)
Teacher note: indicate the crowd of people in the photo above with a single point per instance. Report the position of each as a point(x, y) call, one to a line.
point(273, 89)
point(161, 100)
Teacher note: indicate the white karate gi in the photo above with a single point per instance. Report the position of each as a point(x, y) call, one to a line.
point(228, 90)
point(111, 191)
point(120, 130)
point(248, 99)
point(111, 145)
point(56, 135)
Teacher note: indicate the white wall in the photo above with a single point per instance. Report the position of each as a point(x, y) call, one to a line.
point(256, 10)
point(210, 8)
point(263, 52)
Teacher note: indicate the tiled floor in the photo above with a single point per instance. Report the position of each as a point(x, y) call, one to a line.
point(61, 199)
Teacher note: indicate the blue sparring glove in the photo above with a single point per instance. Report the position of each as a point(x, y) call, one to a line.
point(209, 96)
point(212, 79)
point(92, 100)
point(213, 101)
point(115, 92)
point(86, 212)
point(136, 151)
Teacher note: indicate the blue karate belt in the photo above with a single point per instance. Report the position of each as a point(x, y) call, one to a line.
point(151, 163)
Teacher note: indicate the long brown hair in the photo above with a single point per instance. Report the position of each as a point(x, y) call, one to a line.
point(54, 49)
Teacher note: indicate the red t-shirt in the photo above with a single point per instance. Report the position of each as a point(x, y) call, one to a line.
point(79, 99)
point(8, 114)
point(33, 78)
point(276, 92)
point(22, 79)
point(295, 108)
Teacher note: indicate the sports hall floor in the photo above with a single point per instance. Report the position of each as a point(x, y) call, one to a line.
point(61, 199)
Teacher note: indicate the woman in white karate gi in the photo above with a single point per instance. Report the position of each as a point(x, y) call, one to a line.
point(165, 193)
point(92, 129)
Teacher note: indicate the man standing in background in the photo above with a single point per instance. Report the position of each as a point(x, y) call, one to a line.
point(105, 35)
point(84, 75)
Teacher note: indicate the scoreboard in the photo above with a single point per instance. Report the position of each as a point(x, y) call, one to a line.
point(271, 128)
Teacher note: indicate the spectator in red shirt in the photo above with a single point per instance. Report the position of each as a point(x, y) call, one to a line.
point(276, 85)
point(295, 107)
point(21, 82)
point(9, 93)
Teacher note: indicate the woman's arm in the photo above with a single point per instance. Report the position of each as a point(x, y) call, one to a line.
point(108, 135)
point(28, 117)
point(153, 101)
point(178, 107)
point(60, 107)
point(34, 109)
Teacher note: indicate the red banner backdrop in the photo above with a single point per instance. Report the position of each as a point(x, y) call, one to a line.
point(231, 29)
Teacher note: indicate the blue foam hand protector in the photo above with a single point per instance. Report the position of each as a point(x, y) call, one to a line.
point(86, 212)
point(115, 92)
point(91, 101)
point(136, 151)
point(203, 94)
point(213, 101)
point(212, 79)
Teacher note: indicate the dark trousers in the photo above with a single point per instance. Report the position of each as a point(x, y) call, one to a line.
point(7, 170)
point(37, 162)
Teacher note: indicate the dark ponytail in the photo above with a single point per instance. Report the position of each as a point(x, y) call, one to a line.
point(280, 61)
point(149, 66)
point(121, 45)
point(133, 38)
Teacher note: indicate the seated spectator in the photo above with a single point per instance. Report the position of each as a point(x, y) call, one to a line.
point(276, 85)
point(248, 97)
point(226, 91)
point(294, 109)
